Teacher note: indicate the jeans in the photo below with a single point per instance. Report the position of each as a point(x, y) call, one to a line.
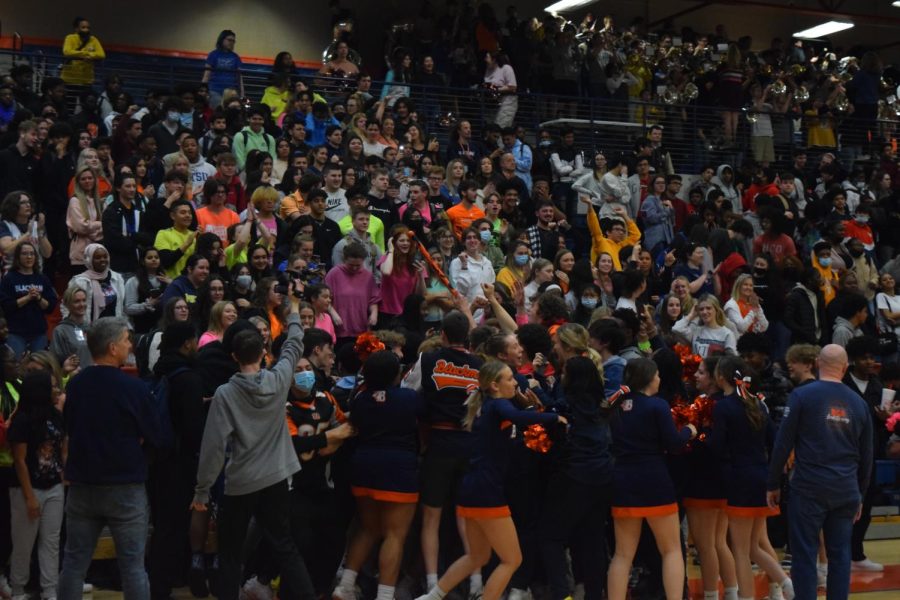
point(271, 508)
point(575, 513)
point(44, 529)
point(810, 514)
point(20, 344)
point(122, 508)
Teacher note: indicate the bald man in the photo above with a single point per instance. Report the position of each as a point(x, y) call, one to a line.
point(829, 428)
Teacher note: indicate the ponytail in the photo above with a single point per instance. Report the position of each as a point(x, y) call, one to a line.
point(473, 407)
point(736, 372)
point(489, 373)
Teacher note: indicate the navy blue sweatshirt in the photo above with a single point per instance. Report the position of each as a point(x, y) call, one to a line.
point(28, 320)
point(108, 414)
point(830, 430)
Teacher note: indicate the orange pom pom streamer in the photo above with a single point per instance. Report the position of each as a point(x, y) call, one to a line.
point(537, 439)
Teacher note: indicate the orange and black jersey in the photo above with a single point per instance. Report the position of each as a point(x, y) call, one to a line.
point(307, 423)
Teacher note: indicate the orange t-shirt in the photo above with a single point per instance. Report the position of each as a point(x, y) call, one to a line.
point(210, 222)
point(291, 204)
point(461, 217)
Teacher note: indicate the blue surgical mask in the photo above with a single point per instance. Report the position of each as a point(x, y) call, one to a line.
point(545, 143)
point(589, 303)
point(862, 219)
point(304, 380)
point(521, 259)
point(825, 262)
point(243, 281)
point(485, 235)
point(173, 117)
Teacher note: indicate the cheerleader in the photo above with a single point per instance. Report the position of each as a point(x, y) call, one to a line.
point(642, 431)
point(384, 475)
point(492, 417)
point(739, 435)
point(704, 502)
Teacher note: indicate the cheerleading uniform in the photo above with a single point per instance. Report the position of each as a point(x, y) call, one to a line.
point(481, 494)
point(642, 432)
point(705, 486)
point(445, 377)
point(384, 465)
point(742, 454)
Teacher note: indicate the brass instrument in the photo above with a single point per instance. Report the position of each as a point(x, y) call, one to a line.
point(330, 51)
point(801, 94)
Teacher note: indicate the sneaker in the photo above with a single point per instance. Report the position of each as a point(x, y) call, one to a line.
point(86, 588)
point(821, 575)
point(866, 565)
point(340, 593)
point(197, 582)
point(775, 592)
point(787, 589)
point(5, 590)
point(253, 589)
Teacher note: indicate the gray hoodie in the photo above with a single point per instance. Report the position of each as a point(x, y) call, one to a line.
point(247, 415)
point(731, 193)
point(844, 331)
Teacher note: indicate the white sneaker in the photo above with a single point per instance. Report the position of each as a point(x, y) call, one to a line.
point(866, 565)
point(340, 593)
point(87, 588)
point(821, 575)
point(775, 592)
point(787, 589)
point(254, 590)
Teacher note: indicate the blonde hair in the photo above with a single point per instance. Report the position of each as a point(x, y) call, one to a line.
point(688, 302)
point(216, 313)
point(720, 314)
point(489, 373)
point(262, 194)
point(69, 295)
point(736, 288)
point(449, 172)
point(84, 199)
point(577, 338)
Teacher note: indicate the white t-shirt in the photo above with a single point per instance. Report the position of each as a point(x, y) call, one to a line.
point(892, 304)
point(336, 207)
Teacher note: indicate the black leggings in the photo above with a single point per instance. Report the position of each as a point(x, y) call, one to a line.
point(575, 515)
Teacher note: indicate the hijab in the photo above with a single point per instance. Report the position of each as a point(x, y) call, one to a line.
point(98, 299)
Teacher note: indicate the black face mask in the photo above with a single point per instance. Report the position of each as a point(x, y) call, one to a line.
point(760, 272)
point(855, 253)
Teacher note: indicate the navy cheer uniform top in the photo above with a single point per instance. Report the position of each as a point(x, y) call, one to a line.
point(481, 493)
point(384, 463)
point(705, 486)
point(643, 431)
point(742, 452)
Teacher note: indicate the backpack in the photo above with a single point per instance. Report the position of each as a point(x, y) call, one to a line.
point(159, 392)
point(246, 136)
point(142, 354)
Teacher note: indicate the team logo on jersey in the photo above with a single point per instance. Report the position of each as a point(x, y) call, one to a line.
point(837, 414)
point(447, 375)
point(627, 404)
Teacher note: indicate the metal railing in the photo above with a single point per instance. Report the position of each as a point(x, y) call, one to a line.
point(693, 134)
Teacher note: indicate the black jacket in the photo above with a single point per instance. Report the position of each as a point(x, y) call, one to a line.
point(800, 318)
point(186, 401)
point(872, 396)
point(122, 245)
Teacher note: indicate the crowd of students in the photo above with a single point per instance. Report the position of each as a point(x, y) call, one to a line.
point(365, 327)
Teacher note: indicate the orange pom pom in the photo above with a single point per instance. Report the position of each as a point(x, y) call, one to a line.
point(537, 439)
point(366, 345)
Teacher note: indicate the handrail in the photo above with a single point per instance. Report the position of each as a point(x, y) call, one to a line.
point(691, 131)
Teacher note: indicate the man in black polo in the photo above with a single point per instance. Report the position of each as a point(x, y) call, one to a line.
point(19, 165)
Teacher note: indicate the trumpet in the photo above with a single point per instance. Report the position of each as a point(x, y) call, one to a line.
point(779, 89)
point(801, 94)
point(841, 102)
